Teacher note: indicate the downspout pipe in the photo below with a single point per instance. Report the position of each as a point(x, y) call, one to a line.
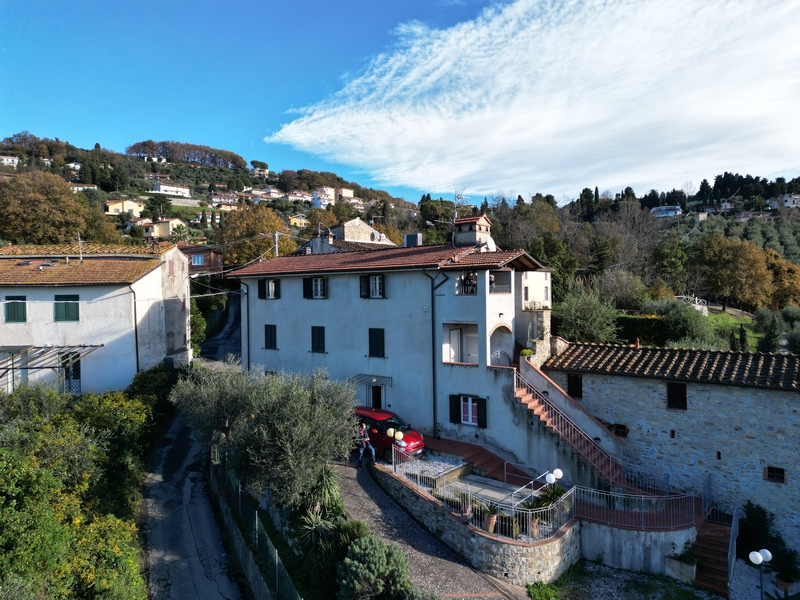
point(434, 286)
point(246, 330)
point(135, 327)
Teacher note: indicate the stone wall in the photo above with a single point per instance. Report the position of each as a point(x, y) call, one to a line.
point(733, 432)
point(518, 563)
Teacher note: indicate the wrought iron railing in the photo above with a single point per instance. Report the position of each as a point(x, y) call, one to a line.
point(708, 493)
point(516, 517)
point(608, 467)
point(732, 543)
point(631, 511)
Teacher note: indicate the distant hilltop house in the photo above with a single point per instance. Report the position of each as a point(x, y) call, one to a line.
point(171, 190)
point(785, 201)
point(666, 211)
point(88, 317)
point(82, 187)
point(299, 196)
point(259, 172)
point(9, 161)
point(73, 166)
point(322, 197)
point(118, 207)
point(299, 221)
point(156, 159)
point(156, 176)
point(156, 230)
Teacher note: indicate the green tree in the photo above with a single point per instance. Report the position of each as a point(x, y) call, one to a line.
point(158, 207)
point(281, 429)
point(772, 336)
point(247, 235)
point(583, 317)
point(40, 208)
point(197, 325)
point(733, 270)
point(671, 259)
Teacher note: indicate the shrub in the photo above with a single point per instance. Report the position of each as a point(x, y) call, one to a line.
point(373, 569)
point(790, 316)
point(793, 339)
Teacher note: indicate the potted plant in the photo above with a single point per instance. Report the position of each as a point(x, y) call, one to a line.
point(490, 513)
point(787, 570)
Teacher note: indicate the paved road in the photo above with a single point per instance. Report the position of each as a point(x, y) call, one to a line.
point(229, 339)
point(433, 567)
point(185, 556)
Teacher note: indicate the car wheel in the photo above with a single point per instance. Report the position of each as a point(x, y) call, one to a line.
point(387, 454)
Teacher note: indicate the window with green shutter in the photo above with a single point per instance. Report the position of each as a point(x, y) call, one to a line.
point(16, 309)
point(66, 307)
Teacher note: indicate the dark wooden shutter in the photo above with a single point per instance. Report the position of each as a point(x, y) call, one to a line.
point(277, 288)
point(308, 287)
point(324, 287)
point(270, 337)
point(262, 289)
point(383, 286)
point(364, 285)
point(455, 409)
point(376, 343)
point(481, 412)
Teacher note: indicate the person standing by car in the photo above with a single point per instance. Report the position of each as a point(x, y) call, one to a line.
point(363, 444)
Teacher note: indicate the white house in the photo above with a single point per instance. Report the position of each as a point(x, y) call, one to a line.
point(322, 197)
point(171, 190)
point(666, 211)
point(784, 201)
point(417, 329)
point(89, 317)
point(9, 161)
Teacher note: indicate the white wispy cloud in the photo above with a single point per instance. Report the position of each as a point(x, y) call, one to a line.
point(561, 95)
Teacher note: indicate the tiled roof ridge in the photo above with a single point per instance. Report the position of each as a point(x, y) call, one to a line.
point(730, 367)
point(85, 248)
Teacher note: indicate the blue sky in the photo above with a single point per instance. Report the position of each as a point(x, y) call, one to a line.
point(417, 96)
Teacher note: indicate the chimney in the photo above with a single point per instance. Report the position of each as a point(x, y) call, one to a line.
point(637, 343)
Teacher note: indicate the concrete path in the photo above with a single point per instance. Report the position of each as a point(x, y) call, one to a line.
point(433, 567)
point(185, 557)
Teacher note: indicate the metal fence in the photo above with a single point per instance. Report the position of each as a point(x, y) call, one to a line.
point(245, 509)
point(513, 515)
point(632, 511)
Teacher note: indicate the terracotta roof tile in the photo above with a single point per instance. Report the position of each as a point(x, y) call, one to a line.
point(442, 256)
point(773, 371)
point(90, 271)
point(74, 250)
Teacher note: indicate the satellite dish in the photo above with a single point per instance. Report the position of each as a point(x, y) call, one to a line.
point(492, 247)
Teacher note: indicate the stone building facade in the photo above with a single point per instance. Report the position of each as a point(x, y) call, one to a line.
point(691, 413)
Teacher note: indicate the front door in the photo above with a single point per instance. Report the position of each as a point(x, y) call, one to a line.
point(376, 391)
point(71, 373)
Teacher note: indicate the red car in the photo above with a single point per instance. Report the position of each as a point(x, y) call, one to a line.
point(379, 422)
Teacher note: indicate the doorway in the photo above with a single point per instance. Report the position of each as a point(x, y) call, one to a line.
point(376, 396)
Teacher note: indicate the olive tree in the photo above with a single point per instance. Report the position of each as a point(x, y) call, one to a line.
point(281, 429)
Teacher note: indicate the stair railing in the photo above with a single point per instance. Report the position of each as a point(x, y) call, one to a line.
point(571, 433)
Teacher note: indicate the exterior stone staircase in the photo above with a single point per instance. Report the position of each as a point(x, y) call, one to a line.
point(588, 451)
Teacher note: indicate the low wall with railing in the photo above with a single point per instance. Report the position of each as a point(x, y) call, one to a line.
point(510, 560)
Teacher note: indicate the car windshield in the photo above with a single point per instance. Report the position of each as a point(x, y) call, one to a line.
point(395, 423)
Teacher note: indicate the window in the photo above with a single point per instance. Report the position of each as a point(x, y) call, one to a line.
point(469, 284)
point(376, 347)
point(16, 309)
point(525, 293)
point(270, 337)
point(318, 339)
point(775, 474)
point(468, 410)
point(66, 308)
point(269, 289)
point(676, 395)
point(71, 372)
point(315, 288)
point(546, 293)
point(372, 286)
point(618, 429)
point(575, 385)
point(198, 260)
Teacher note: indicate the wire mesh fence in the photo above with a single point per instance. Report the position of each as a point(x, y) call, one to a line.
point(249, 517)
